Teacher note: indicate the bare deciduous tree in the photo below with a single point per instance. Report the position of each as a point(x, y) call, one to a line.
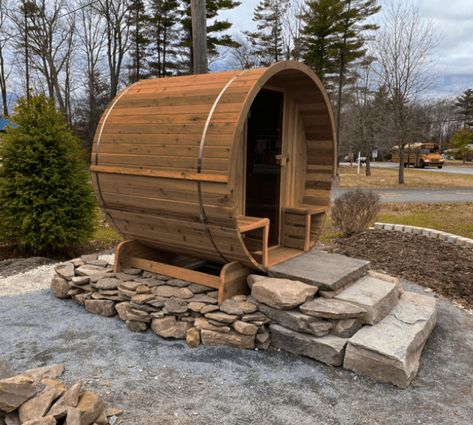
point(403, 51)
point(4, 39)
point(115, 13)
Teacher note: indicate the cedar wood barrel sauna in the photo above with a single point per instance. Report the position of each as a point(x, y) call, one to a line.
point(234, 168)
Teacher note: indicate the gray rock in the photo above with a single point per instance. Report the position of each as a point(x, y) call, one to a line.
point(102, 307)
point(201, 323)
point(255, 317)
point(175, 306)
point(60, 287)
point(89, 257)
point(221, 317)
point(178, 283)
point(246, 307)
point(203, 298)
point(132, 271)
point(142, 298)
point(231, 307)
point(108, 283)
point(99, 263)
point(196, 307)
point(80, 280)
point(377, 296)
point(390, 350)
point(208, 308)
point(282, 294)
point(166, 291)
point(136, 326)
point(327, 349)
point(15, 391)
point(291, 319)
point(65, 270)
point(184, 293)
point(198, 289)
point(94, 272)
point(245, 328)
point(326, 271)
point(330, 308)
point(321, 327)
point(346, 328)
point(168, 327)
point(252, 278)
point(231, 338)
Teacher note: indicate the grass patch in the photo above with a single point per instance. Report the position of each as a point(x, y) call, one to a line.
point(386, 178)
point(451, 218)
point(456, 218)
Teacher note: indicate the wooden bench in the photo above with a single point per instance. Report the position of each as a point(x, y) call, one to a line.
point(247, 224)
point(307, 212)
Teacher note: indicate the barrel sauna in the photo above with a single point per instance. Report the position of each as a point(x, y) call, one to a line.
point(231, 167)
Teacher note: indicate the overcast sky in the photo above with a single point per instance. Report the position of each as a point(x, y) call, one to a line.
point(451, 19)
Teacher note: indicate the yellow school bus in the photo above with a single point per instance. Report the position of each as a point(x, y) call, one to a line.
point(420, 155)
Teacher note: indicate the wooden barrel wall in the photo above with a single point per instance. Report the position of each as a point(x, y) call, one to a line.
point(167, 160)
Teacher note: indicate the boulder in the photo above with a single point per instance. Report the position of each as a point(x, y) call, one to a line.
point(69, 399)
point(327, 349)
point(65, 270)
point(282, 294)
point(103, 307)
point(390, 350)
point(376, 295)
point(184, 293)
point(320, 327)
point(246, 307)
point(330, 308)
point(80, 280)
point(252, 278)
point(166, 291)
point(60, 287)
point(15, 391)
point(231, 338)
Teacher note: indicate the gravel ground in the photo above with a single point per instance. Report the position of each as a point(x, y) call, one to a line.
point(165, 382)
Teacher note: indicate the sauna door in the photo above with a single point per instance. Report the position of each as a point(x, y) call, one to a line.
point(263, 153)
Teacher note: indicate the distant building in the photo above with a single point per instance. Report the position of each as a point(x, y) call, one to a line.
point(4, 123)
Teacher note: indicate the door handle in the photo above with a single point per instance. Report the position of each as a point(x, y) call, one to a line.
point(281, 160)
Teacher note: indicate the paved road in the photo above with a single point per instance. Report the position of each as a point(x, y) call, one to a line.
point(427, 196)
point(166, 382)
point(446, 169)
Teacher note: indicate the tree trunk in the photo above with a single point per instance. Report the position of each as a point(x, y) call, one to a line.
point(368, 164)
point(401, 164)
point(199, 37)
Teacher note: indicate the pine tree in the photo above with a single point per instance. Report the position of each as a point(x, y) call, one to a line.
point(464, 105)
point(267, 41)
point(47, 200)
point(321, 36)
point(163, 35)
point(215, 38)
point(138, 21)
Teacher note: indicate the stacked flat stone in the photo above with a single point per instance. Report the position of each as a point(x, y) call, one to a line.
point(172, 308)
point(327, 307)
point(38, 397)
point(370, 326)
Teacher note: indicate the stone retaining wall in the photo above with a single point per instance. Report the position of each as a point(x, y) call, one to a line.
point(431, 233)
point(286, 314)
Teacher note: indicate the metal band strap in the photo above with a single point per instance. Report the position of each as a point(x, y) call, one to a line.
point(97, 151)
point(203, 215)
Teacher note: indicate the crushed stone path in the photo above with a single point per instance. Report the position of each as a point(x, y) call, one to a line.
point(158, 381)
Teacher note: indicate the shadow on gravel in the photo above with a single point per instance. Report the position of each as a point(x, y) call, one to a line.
point(166, 382)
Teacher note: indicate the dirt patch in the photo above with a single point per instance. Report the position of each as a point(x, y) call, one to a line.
point(442, 266)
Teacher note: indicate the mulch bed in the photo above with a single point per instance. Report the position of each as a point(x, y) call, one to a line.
point(442, 266)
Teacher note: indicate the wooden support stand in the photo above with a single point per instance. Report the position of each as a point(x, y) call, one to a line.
point(232, 279)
